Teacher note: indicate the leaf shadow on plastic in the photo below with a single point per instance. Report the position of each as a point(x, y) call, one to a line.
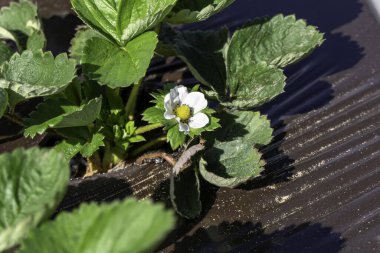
point(307, 90)
point(96, 189)
point(252, 237)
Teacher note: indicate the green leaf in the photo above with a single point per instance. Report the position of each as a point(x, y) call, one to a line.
point(229, 164)
point(7, 35)
point(13, 99)
point(73, 92)
point(189, 11)
point(166, 43)
point(202, 52)
point(155, 114)
point(211, 126)
point(119, 227)
point(86, 148)
point(253, 85)
point(78, 43)
point(60, 113)
point(119, 67)
point(231, 157)
point(21, 17)
point(278, 41)
point(92, 145)
point(3, 101)
point(246, 126)
point(76, 133)
point(36, 41)
point(122, 20)
point(33, 182)
point(175, 137)
point(5, 53)
point(34, 74)
point(185, 193)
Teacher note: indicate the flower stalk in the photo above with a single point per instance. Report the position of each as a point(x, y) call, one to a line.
point(132, 100)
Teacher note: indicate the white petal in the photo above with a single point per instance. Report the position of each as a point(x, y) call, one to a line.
point(174, 97)
point(169, 115)
point(168, 104)
point(183, 127)
point(196, 101)
point(199, 120)
point(182, 93)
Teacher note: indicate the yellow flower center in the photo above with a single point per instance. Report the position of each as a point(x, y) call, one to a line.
point(183, 112)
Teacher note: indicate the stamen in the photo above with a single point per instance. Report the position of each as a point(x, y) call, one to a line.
point(183, 112)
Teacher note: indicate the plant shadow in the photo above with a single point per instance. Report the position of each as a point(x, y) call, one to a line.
point(252, 237)
point(97, 189)
point(308, 88)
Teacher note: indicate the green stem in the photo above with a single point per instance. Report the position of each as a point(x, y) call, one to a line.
point(15, 119)
point(148, 128)
point(148, 145)
point(131, 104)
point(107, 157)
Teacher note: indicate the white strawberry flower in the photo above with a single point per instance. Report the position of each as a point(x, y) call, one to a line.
point(186, 108)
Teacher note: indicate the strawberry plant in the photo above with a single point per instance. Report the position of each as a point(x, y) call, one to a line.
point(90, 95)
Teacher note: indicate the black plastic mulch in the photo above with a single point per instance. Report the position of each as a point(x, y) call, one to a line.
point(320, 191)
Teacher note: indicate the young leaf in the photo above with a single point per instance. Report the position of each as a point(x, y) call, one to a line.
point(185, 193)
point(21, 17)
point(202, 52)
point(36, 41)
point(60, 113)
point(155, 114)
point(34, 74)
point(120, 227)
point(119, 67)
point(122, 20)
point(229, 164)
point(253, 85)
point(3, 101)
point(189, 11)
point(86, 148)
point(33, 182)
point(278, 41)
